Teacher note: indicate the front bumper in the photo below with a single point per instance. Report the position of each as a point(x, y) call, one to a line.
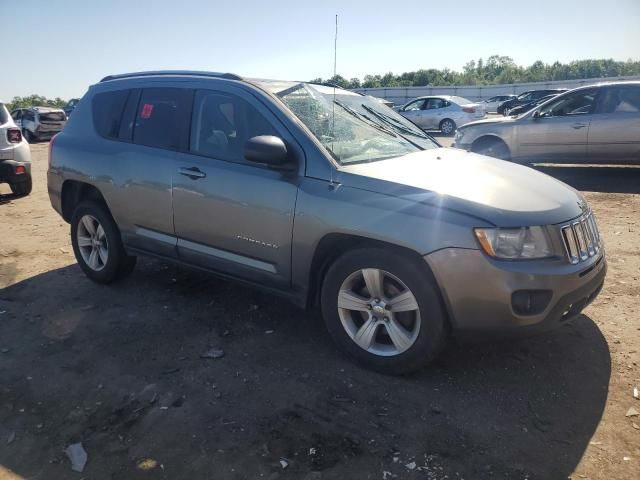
point(479, 292)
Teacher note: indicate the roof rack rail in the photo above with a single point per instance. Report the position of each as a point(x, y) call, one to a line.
point(195, 73)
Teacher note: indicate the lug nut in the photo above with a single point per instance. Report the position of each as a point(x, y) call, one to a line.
point(377, 300)
point(386, 319)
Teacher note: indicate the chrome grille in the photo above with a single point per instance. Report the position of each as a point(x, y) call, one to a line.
point(581, 239)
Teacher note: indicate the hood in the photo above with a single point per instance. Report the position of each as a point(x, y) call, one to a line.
point(502, 193)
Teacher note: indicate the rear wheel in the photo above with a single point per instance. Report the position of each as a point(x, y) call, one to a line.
point(383, 309)
point(97, 244)
point(22, 188)
point(447, 126)
point(492, 147)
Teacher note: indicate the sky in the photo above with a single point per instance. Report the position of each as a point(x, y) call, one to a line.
point(59, 48)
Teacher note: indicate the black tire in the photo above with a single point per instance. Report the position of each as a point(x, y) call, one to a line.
point(118, 263)
point(492, 147)
point(22, 188)
point(448, 127)
point(432, 331)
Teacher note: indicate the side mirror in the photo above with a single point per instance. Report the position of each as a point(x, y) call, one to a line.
point(536, 114)
point(266, 149)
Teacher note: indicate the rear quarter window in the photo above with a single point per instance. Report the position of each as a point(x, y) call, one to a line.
point(107, 112)
point(52, 117)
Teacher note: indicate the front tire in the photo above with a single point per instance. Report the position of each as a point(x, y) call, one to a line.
point(448, 126)
point(22, 188)
point(492, 147)
point(97, 244)
point(383, 309)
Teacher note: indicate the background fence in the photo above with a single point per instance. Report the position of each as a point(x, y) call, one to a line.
point(401, 95)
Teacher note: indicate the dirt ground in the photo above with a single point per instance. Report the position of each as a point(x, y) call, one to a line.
point(118, 368)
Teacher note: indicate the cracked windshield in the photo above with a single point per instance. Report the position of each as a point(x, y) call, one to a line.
point(352, 127)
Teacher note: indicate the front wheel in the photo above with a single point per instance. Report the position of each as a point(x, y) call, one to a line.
point(384, 310)
point(97, 244)
point(492, 147)
point(447, 126)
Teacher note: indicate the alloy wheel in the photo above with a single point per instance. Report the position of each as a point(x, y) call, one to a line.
point(379, 312)
point(447, 127)
point(92, 243)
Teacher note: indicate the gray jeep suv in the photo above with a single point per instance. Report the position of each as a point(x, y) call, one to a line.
point(325, 197)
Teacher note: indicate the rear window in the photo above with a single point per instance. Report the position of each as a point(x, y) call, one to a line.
point(461, 100)
point(4, 114)
point(162, 119)
point(107, 112)
point(52, 117)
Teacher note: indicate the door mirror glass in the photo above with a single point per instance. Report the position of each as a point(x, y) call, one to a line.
point(266, 149)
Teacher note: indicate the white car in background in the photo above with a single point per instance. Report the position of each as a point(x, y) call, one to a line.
point(491, 104)
point(444, 112)
point(15, 156)
point(39, 123)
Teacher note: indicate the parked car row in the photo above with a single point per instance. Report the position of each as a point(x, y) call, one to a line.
point(527, 97)
point(593, 124)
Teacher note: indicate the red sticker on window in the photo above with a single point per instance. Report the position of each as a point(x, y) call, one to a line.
point(147, 108)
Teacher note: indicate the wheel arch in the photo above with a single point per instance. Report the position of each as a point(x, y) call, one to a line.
point(73, 192)
point(333, 245)
point(486, 139)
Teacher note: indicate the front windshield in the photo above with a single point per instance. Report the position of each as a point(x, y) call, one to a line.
point(352, 127)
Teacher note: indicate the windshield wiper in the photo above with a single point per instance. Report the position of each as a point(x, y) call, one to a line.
point(393, 122)
point(367, 120)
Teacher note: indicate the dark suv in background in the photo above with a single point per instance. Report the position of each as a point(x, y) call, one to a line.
point(325, 197)
point(528, 97)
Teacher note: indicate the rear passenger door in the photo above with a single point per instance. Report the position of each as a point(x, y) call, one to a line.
point(614, 134)
point(137, 177)
point(232, 215)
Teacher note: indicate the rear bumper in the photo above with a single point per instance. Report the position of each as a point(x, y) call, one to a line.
point(12, 157)
point(479, 292)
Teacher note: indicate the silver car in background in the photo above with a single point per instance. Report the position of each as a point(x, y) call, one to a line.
point(444, 112)
point(593, 124)
point(491, 104)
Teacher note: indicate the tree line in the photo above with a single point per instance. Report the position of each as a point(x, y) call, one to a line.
point(35, 101)
point(496, 69)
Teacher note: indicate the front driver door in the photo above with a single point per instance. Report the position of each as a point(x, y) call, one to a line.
point(413, 111)
point(232, 215)
point(559, 131)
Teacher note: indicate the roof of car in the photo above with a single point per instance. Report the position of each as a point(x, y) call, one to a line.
point(172, 73)
point(45, 109)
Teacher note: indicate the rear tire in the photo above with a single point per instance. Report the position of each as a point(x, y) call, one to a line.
point(97, 244)
point(447, 126)
point(395, 328)
point(492, 147)
point(22, 188)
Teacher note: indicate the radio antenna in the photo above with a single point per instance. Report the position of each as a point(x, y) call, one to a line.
point(335, 49)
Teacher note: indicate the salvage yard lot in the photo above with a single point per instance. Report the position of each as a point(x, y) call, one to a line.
point(119, 369)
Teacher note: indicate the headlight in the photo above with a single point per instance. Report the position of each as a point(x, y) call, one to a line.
point(458, 135)
point(514, 243)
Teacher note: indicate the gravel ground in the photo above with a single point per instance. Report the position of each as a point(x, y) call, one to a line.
point(118, 368)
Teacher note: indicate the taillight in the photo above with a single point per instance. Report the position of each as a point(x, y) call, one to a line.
point(469, 109)
point(20, 169)
point(51, 142)
point(14, 135)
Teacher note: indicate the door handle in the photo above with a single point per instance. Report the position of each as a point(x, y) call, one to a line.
point(578, 125)
point(193, 173)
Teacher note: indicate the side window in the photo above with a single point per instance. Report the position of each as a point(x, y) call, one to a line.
point(162, 118)
point(107, 110)
point(621, 100)
point(434, 103)
point(28, 115)
point(578, 103)
point(222, 123)
point(417, 105)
